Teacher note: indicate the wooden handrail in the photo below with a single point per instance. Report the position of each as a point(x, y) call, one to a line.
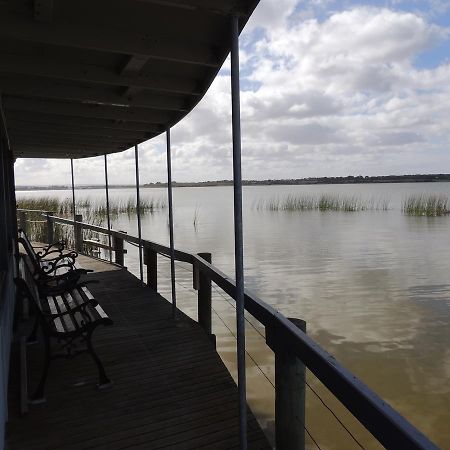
point(33, 210)
point(391, 429)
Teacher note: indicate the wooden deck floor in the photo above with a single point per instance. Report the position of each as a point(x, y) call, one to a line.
point(171, 390)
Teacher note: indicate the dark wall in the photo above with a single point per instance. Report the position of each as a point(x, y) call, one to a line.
point(8, 229)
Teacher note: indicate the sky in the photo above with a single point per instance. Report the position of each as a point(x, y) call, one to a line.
point(328, 88)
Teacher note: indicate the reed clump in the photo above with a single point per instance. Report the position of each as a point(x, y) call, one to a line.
point(63, 207)
point(93, 211)
point(322, 202)
point(425, 205)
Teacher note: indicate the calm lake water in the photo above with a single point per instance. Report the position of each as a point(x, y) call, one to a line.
point(373, 287)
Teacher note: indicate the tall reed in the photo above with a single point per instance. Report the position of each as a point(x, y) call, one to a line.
point(322, 202)
point(94, 212)
point(426, 205)
point(116, 205)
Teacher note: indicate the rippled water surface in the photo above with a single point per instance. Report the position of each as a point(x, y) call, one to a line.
point(373, 287)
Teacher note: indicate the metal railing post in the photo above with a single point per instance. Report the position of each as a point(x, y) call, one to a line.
point(238, 231)
point(78, 233)
point(204, 300)
point(50, 233)
point(290, 395)
point(151, 260)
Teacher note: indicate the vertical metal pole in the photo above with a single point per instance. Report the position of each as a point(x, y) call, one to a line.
point(108, 218)
point(172, 248)
point(138, 209)
point(73, 193)
point(238, 233)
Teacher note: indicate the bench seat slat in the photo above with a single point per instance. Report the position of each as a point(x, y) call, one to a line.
point(58, 323)
point(98, 308)
point(67, 319)
point(80, 300)
point(78, 316)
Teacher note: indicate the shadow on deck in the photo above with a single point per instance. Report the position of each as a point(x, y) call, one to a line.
point(171, 389)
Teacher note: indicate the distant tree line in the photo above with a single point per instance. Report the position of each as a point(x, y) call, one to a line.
point(417, 178)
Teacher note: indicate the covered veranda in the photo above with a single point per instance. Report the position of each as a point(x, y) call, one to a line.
point(93, 78)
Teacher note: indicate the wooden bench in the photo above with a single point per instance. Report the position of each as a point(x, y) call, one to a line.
point(69, 318)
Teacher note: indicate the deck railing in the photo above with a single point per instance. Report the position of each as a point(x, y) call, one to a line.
point(287, 340)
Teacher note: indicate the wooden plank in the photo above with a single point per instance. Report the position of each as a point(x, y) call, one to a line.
point(68, 323)
point(53, 309)
point(70, 302)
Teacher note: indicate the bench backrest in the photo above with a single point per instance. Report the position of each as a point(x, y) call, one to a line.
point(26, 283)
point(26, 244)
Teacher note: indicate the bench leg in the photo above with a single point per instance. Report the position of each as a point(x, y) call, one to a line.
point(38, 396)
point(103, 380)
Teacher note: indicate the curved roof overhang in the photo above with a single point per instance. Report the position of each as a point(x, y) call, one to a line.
point(91, 77)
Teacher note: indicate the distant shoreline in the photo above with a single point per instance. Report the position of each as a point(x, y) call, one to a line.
point(421, 178)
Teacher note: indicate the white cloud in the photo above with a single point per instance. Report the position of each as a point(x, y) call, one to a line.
point(335, 96)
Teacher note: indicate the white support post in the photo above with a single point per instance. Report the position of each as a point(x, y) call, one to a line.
point(138, 210)
point(73, 200)
point(172, 245)
point(238, 231)
point(108, 217)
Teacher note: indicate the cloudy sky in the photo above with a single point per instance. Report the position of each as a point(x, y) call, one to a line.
point(329, 88)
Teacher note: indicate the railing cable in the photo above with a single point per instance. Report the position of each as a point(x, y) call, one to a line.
point(335, 416)
point(220, 293)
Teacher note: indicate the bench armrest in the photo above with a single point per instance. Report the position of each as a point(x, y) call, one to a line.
point(66, 260)
point(60, 255)
point(55, 247)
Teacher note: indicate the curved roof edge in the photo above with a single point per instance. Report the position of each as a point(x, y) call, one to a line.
point(87, 78)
